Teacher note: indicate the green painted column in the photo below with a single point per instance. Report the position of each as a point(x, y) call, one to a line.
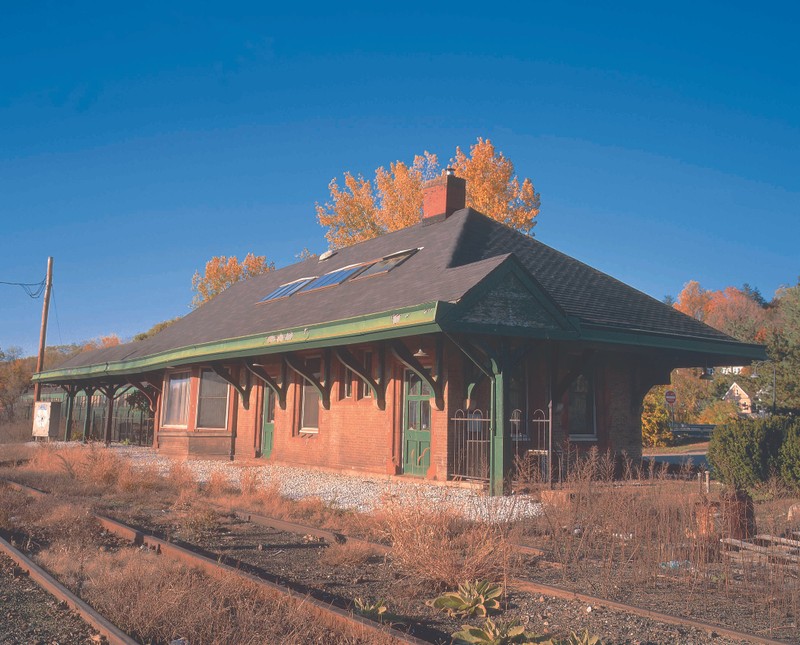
point(500, 443)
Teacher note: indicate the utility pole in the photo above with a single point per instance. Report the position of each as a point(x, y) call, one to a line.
point(43, 330)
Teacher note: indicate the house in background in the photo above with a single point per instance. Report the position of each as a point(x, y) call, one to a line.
point(444, 350)
point(741, 398)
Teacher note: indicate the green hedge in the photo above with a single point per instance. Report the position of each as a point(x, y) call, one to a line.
point(747, 452)
point(789, 456)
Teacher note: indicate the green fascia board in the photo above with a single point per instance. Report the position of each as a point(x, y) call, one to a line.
point(728, 349)
point(510, 330)
point(568, 327)
point(418, 319)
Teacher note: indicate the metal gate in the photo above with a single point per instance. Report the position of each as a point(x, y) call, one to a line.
point(470, 445)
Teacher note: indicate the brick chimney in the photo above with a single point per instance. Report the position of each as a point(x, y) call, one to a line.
point(443, 196)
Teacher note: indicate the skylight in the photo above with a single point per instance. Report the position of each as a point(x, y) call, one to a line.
point(387, 264)
point(332, 278)
point(287, 289)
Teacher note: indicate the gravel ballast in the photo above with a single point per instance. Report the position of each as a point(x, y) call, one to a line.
point(361, 492)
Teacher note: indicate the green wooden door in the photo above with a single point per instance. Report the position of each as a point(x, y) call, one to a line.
point(416, 426)
point(268, 423)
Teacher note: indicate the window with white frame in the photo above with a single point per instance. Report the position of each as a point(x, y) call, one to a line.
point(212, 401)
point(176, 400)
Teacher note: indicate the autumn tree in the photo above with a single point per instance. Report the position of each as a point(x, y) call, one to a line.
point(361, 210)
point(740, 313)
point(156, 328)
point(494, 189)
point(101, 342)
point(655, 419)
point(693, 300)
point(221, 272)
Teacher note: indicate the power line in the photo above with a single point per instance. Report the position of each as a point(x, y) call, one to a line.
point(33, 289)
point(55, 310)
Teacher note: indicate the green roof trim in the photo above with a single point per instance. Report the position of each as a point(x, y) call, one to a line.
point(418, 319)
point(732, 349)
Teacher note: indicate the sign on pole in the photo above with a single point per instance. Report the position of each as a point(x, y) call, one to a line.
point(670, 397)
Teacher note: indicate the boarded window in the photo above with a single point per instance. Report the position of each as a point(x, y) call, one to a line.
point(309, 404)
point(176, 401)
point(212, 401)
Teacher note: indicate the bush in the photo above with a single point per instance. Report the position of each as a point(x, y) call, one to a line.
point(745, 452)
point(790, 456)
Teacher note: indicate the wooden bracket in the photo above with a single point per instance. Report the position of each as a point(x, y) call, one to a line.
point(402, 354)
point(150, 391)
point(323, 386)
point(377, 386)
point(472, 379)
point(71, 389)
point(280, 390)
point(110, 390)
point(225, 374)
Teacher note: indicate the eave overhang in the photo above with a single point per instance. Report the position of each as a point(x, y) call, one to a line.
point(717, 351)
point(418, 319)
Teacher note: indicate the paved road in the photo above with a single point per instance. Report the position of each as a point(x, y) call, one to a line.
point(698, 459)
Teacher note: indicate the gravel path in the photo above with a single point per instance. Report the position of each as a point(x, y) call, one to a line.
point(358, 492)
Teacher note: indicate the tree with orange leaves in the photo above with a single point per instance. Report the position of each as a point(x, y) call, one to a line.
point(359, 211)
point(731, 310)
point(112, 340)
point(221, 272)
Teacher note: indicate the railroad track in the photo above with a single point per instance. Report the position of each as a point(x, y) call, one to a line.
point(353, 623)
point(105, 627)
point(518, 584)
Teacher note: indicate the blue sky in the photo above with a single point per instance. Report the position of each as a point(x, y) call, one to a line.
point(135, 144)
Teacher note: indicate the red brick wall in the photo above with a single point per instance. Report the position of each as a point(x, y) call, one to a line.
point(353, 434)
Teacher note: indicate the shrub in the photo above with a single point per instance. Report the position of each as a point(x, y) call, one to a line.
point(745, 452)
point(790, 456)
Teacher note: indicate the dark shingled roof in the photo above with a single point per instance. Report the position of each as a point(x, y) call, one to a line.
point(455, 255)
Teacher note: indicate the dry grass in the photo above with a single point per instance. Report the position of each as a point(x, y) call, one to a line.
point(157, 600)
point(348, 554)
point(651, 529)
point(441, 549)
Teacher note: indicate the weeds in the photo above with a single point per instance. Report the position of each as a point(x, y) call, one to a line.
point(347, 554)
point(441, 549)
point(479, 598)
point(372, 610)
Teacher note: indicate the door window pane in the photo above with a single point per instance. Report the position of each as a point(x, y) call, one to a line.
point(176, 402)
point(212, 401)
point(414, 383)
point(413, 415)
point(425, 415)
point(269, 412)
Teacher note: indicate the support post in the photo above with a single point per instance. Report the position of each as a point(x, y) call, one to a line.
point(109, 417)
point(500, 462)
point(70, 405)
point(88, 419)
point(37, 387)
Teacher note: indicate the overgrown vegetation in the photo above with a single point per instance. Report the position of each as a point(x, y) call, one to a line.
point(747, 453)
